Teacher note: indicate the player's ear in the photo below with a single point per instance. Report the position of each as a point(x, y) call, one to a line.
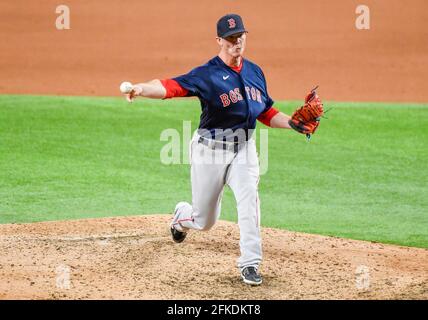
point(219, 41)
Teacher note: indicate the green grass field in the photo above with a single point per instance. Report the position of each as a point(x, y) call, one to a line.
point(364, 175)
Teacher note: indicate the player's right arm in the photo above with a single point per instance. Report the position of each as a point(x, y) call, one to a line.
point(157, 89)
point(152, 89)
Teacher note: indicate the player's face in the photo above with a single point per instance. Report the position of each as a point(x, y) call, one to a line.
point(234, 45)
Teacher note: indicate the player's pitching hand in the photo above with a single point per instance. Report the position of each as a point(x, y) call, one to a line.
point(130, 91)
point(135, 91)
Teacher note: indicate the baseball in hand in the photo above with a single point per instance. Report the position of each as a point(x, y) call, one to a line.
point(126, 87)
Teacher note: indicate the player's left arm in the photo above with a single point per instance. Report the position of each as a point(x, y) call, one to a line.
point(305, 119)
point(274, 118)
point(280, 120)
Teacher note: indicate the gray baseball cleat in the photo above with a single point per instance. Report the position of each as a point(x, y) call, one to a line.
point(177, 236)
point(250, 276)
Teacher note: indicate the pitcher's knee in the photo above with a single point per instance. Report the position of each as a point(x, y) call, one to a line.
point(249, 193)
point(204, 225)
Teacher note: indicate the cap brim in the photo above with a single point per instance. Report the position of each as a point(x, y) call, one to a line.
point(232, 32)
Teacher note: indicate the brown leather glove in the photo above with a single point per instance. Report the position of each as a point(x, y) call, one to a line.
point(306, 119)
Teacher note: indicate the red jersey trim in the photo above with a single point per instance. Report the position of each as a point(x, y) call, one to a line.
point(267, 116)
point(238, 68)
point(173, 89)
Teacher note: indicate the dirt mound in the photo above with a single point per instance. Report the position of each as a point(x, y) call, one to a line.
point(135, 258)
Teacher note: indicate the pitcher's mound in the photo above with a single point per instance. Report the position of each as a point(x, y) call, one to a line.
point(135, 258)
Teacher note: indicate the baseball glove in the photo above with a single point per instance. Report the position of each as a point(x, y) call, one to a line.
point(306, 119)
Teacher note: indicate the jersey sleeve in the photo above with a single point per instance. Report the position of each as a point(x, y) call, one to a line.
point(269, 101)
point(190, 82)
point(266, 116)
point(173, 89)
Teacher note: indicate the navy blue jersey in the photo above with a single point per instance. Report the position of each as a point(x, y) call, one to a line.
point(229, 100)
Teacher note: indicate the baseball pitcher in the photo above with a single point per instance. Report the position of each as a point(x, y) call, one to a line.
point(233, 95)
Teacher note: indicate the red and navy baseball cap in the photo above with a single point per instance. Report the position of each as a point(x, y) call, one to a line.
point(230, 24)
